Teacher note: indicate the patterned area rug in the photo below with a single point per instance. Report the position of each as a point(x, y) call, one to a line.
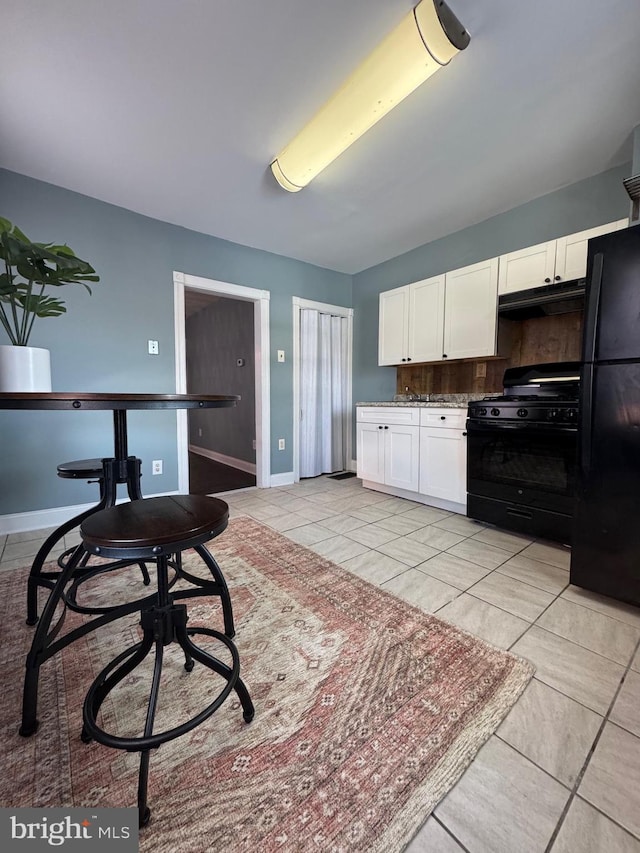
point(367, 711)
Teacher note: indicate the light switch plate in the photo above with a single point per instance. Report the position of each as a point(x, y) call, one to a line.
point(153, 347)
point(280, 355)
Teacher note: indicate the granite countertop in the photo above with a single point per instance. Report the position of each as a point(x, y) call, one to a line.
point(436, 401)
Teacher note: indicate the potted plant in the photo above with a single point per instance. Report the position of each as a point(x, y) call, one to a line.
point(29, 268)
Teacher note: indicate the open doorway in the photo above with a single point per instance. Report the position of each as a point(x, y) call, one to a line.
point(219, 346)
point(202, 295)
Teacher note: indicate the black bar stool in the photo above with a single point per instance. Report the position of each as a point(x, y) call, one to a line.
point(105, 473)
point(154, 530)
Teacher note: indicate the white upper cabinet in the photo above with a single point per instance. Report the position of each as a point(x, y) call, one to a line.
point(426, 310)
point(410, 326)
point(454, 315)
point(470, 311)
point(530, 267)
point(564, 259)
point(393, 326)
point(447, 316)
point(571, 251)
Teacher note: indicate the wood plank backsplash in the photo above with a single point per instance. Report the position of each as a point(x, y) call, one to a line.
point(544, 339)
point(539, 340)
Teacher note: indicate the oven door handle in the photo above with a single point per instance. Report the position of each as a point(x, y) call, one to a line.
point(495, 426)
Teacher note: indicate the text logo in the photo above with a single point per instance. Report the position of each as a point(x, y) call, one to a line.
point(41, 829)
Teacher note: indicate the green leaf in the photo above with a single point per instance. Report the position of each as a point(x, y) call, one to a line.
point(41, 306)
point(5, 279)
point(39, 266)
point(63, 250)
point(20, 235)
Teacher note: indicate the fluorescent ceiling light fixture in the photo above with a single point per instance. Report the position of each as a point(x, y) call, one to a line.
point(427, 38)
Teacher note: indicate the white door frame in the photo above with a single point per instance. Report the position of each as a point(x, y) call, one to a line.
point(260, 299)
point(340, 311)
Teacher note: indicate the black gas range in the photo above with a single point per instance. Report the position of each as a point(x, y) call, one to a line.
point(544, 393)
point(521, 451)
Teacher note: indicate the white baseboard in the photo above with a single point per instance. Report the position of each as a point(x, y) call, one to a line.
point(20, 522)
point(241, 464)
point(439, 503)
point(285, 479)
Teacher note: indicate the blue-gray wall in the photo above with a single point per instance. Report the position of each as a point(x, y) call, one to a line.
point(591, 202)
point(101, 343)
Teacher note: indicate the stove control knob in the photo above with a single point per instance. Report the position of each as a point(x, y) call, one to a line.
point(482, 412)
point(522, 413)
point(553, 414)
point(572, 414)
point(495, 412)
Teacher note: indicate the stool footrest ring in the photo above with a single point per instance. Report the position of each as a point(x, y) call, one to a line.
point(124, 663)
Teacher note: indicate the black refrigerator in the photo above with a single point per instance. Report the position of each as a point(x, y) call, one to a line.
point(605, 553)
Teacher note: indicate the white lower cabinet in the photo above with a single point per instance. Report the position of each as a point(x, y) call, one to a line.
point(388, 446)
point(423, 451)
point(443, 455)
point(443, 464)
point(401, 454)
point(370, 450)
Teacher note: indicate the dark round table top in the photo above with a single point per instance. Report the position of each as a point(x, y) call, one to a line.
point(91, 402)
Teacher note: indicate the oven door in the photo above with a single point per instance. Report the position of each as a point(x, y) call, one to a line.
point(527, 464)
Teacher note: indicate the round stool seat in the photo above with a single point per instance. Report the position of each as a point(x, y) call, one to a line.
point(154, 526)
point(80, 468)
point(107, 472)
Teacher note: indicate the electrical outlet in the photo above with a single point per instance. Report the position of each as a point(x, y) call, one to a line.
point(481, 369)
point(281, 444)
point(156, 466)
point(153, 347)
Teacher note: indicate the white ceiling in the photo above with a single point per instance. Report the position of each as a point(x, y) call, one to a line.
point(174, 109)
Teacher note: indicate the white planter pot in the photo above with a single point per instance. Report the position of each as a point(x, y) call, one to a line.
point(24, 369)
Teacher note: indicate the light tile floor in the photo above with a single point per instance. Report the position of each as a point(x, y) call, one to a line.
point(562, 773)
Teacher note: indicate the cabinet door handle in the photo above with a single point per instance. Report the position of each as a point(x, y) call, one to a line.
point(380, 427)
point(464, 433)
point(404, 359)
point(386, 427)
point(558, 278)
point(408, 359)
point(444, 355)
point(443, 417)
point(547, 280)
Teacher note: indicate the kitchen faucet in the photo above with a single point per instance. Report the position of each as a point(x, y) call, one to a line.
point(410, 395)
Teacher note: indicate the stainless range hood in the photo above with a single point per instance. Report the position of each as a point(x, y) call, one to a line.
point(557, 298)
